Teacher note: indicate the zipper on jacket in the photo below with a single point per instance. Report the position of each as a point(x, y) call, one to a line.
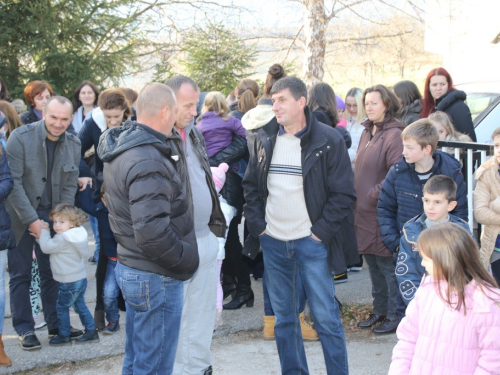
point(415, 196)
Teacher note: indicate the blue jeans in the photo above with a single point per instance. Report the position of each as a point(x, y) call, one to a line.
point(95, 231)
point(283, 261)
point(3, 261)
point(110, 293)
point(73, 294)
point(154, 310)
point(268, 309)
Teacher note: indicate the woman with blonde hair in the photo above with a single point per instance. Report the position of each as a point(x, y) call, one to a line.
point(355, 115)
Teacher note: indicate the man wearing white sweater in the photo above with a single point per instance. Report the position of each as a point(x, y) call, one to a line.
point(298, 190)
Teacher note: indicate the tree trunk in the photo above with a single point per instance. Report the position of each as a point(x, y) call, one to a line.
point(315, 23)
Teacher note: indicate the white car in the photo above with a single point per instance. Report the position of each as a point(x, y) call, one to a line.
point(483, 99)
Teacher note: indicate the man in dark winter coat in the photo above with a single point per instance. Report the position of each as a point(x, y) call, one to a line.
point(198, 317)
point(298, 190)
point(151, 215)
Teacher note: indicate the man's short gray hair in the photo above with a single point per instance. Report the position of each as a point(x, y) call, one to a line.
point(60, 99)
point(177, 81)
point(153, 98)
point(296, 86)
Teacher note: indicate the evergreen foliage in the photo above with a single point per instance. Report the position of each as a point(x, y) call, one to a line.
point(216, 58)
point(68, 41)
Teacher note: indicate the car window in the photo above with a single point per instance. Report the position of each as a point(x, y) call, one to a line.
point(489, 123)
point(478, 102)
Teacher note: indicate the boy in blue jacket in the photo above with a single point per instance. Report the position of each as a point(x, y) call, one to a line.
point(111, 288)
point(439, 199)
point(401, 195)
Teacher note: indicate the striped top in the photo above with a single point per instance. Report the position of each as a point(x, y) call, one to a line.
point(286, 213)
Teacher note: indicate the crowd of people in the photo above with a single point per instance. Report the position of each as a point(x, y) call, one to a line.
point(165, 177)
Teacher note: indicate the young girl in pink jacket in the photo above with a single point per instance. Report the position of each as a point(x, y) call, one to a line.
point(452, 326)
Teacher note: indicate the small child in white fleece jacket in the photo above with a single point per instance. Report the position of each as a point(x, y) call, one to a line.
point(68, 251)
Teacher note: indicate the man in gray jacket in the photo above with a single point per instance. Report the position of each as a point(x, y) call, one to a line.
point(151, 215)
point(198, 315)
point(44, 161)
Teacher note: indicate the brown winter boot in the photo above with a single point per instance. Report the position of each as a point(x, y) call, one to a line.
point(308, 332)
point(4, 358)
point(268, 332)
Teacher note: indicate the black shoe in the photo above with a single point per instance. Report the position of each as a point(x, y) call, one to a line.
point(387, 326)
point(29, 341)
point(244, 295)
point(340, 278)
point(99, 320)
point(74, 333)
point(371, 321)
point(88, 337)
point(59, 340)
point(356, 267)
point(208, 371)
point(92, 259)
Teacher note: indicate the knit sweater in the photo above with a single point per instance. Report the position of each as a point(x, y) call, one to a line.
point(286, 211)
point(436, 339)
point(67, 253)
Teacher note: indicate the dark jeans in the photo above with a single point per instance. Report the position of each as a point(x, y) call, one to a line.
point(73, 294)
point(20, 260)
point(384, 285)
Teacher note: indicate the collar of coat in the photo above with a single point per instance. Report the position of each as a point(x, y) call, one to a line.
point(272, 128)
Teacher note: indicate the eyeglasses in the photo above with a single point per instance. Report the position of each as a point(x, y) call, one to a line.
point(352, 105)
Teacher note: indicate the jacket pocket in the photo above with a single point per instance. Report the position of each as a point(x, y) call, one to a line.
point(68, 168)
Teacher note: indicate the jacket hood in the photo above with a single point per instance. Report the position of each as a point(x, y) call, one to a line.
point(444, 102)
point(491, 163)
point(386, 124)
point(75, 235)
point(416, 106)
point(258, 116)
point(99, 119)
point(439, 157)
point(78, 237)
point(116, 141)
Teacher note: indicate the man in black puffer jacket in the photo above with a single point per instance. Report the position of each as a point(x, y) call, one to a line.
point(151, 215)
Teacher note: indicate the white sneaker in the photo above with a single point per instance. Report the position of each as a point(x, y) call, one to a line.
point(39, 322)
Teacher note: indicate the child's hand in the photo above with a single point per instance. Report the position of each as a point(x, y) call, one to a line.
point(45, 225)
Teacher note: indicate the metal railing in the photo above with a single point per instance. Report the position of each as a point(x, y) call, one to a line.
point(471, 155)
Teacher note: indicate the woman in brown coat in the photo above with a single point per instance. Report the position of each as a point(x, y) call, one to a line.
point(379, 148)
point(487, 208)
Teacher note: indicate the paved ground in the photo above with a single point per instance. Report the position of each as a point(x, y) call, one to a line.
point(237, 347)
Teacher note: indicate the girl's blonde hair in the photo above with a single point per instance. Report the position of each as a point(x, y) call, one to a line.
point(357, 94)
point(442, 119)
point(215, 102)
point(74, 215)
point(455, 258)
